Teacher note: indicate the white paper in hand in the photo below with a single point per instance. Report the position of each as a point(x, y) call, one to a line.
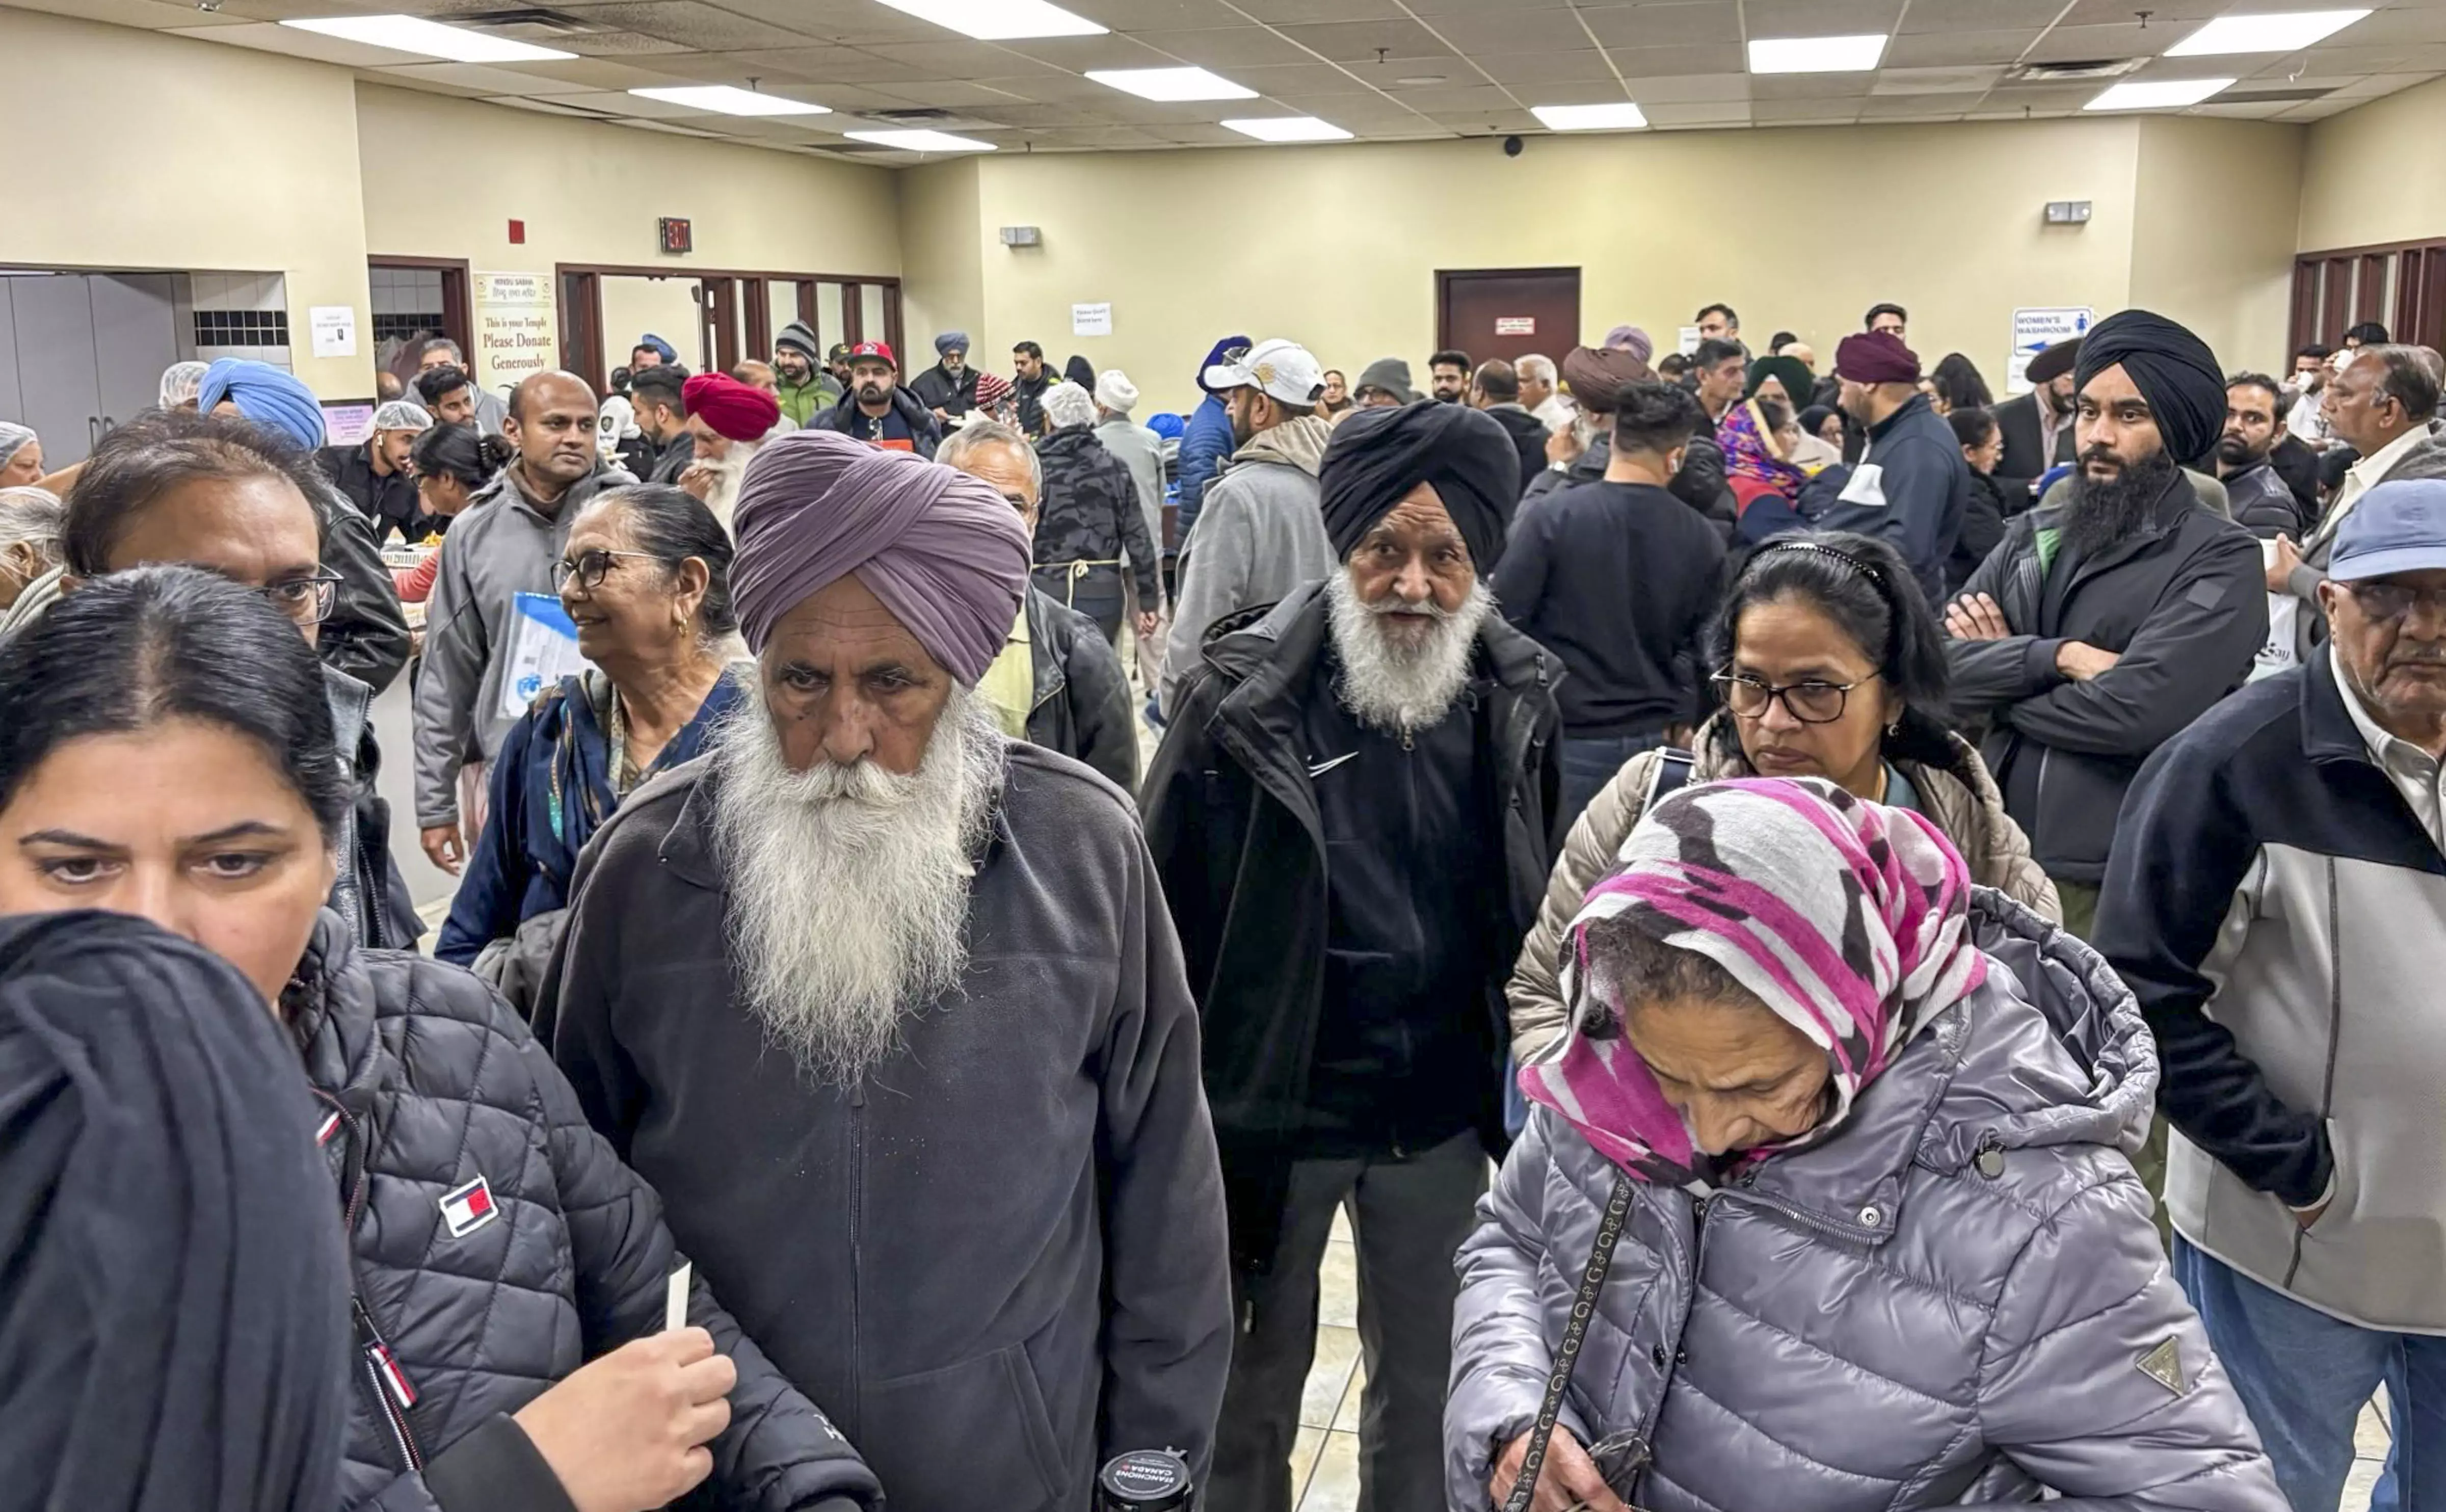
point(675, 1302)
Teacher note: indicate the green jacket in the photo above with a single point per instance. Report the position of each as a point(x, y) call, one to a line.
point(802, 404)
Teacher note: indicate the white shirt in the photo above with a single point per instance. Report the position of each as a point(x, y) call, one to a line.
point(2365, 475)
point(2415, 773)
point(2308, 420)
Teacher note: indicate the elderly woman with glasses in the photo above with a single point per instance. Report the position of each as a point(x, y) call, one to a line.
point(1828, 663)
point(645, 582)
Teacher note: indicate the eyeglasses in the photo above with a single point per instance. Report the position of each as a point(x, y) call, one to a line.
point(591, 568)
point(2389, 603)
point(307, 601)
point(1812, 703)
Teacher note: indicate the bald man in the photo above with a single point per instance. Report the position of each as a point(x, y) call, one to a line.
point(473, 623)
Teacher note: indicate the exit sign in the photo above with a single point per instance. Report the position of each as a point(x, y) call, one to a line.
point(676, 233)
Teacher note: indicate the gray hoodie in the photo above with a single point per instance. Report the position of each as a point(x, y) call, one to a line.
point(1141, 451)
point(502, 546)
point(1260, 534)
point(1956, 1298)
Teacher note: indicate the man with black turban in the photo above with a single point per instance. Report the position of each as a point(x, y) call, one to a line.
point(2105, 622)
point(174, 1329)
point(1385, 719)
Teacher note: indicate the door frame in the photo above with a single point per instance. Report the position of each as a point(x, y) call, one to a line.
point(457, 323)
point(587, 337)
point(1446, 277)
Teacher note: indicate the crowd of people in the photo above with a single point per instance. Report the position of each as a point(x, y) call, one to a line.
point(1839, 942)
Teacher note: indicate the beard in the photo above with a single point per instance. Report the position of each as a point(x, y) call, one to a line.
point(2104, 513)
point(2235, 452)
point(849, 885)
point(727, 472)
point(1397, 685)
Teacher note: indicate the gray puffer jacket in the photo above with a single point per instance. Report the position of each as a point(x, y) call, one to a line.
point(1958, 1298)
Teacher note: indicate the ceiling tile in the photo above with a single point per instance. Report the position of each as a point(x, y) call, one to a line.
point(266, 37)
point(831, 20)
point(1956, 16)
point(812, 64)
point(2071, 44)
point(1460, 8)
point(2163, 14)
point(1480, 34)
point(2372, 85)
point(2045, 97)
point(701, 26)
point(669, 128)
point(1822, 18)
point(597, 73)
point(1353, 112)
point(1584, 66)
point(484, 78)
point(1511, 117)
point(1651, 62)
point(548, 108)
point(1360, 40)
point(1153, 15)
point(1907, 107)
point(1692, 88)
point(1284, 10)
point(1320, 78)
point(1716, 113)
point(1811, 112)
point(1810, 85)
point(614, 103)
point(959, 58)
point(2427, 24)
point(1220, 47)
point(149, 14)
point(1078, 54)
point(1956, 50)
point(1936, 80)
point(2269, 112)
point(1681, 25)
point(2423, 58)
point(956, 94)
point(611, 44)
point(1456, 97)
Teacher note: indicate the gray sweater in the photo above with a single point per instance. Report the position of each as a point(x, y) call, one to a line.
point(1141, 451)
point(1259, 535)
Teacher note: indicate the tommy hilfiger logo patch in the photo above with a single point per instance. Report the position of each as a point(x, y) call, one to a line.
point(469, 1208)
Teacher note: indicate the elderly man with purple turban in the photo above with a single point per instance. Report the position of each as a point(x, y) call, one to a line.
point(890, 1010)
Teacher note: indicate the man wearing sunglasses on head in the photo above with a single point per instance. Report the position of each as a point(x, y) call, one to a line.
point(226, 493)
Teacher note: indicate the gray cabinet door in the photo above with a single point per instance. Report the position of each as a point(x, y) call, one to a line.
point(10, 406)
point(135, 336)
point(59, 391)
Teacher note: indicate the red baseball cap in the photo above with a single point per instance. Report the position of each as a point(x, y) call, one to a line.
point(874, 348)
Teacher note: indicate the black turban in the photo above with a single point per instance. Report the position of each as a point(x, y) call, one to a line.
point(1377, 455)
point(2173, 369)
point(174, 1329)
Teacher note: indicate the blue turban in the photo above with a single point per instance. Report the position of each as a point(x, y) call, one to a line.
point(269, 396)
point(950, 341)
point(658, 347)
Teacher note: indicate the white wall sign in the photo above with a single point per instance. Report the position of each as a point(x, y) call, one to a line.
point(1516, 325)
point(1690, 339)
point(1091, 320)
point(516, 333)
point(335, 330)
point(2034, 332)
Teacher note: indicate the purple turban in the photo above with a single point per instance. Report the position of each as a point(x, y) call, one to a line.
point(1632, 340)
point(944, 552)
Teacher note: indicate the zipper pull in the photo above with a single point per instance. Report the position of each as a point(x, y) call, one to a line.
point(378, 1354)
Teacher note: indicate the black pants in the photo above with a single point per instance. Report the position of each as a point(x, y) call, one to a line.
point(1094, 591)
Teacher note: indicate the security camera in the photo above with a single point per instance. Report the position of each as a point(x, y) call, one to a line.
point(1511, 146)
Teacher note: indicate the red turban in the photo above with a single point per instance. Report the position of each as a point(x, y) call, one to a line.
point(734, 410)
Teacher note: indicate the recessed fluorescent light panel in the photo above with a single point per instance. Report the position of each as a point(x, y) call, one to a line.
point(2158, 94)
point(1289, 128)
point(730, 101)
point(1623, 116)
point(429, 38)
point(1171, 84)
point(999, 20)
point(1815, 54)
point(922, 140)
point(2278, 31)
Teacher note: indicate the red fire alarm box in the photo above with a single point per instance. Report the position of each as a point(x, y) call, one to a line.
point(517, 233)
point(677, 236)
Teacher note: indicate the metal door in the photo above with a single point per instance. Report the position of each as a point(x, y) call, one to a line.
point(1508, 312)
point(135, 336)
point(10, 404)
point(59, 389)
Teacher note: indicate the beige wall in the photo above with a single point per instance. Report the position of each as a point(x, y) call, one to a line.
point(1338, 246)
point(943, 248)
point(141, 151)
point(2371, 175)
point(2208, 252)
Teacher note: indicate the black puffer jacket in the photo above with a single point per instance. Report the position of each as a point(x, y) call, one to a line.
point(430, 1085)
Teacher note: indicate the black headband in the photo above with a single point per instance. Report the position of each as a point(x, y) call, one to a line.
point(1858, 565)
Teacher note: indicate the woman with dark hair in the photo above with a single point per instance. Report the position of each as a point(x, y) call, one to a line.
point(1825, 1201)
point(1828, 664)
point(645, 578)
point(1764, 481)
point(1982, 519)
point(1336, 398)
point(452, 462)
point(1958, 385)
point(165, 752)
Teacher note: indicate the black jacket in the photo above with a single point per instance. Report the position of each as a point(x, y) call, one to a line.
point(1090, 512)
point(366, 635)
point(1083, 706)
point(2298, 466)
point(1917, 495)
point(1983, 526)
point(2183, 602)
point(1029, 393)
point(2027, 453)
point(1529, 434)
point(1701, 484)
point(2264, 503)
point(923, 433)
point(1234, 823)
point(389, 502)
point(429, 1085)
point(666, 459)
point(937, 389)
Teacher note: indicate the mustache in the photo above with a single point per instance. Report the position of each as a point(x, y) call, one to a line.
point(1392, 604)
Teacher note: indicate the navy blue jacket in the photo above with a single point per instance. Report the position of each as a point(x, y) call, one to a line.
point(1205, 446)
point(1916, 501)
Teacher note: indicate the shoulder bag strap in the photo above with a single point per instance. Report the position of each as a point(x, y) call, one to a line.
point(1575, 1332)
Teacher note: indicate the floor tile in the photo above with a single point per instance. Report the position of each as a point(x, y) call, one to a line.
point(1334, 1488)
point(2357, 1486)
point(1304, 1453)
point(1346, 1420)
point(1337, 1354)
point(2369, 1434)
point(1338, 1287)
point(1342, 1225)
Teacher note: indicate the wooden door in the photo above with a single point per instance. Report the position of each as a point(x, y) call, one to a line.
point(1508, 312)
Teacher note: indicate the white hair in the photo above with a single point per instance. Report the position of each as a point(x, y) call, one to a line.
point(979, 433)
point(1398, 685)
point(849, 885)
point(33, 518)
point(1535, 370)
point(1066, 405)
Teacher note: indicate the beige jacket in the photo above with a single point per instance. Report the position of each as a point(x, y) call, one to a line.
point(1971, 816)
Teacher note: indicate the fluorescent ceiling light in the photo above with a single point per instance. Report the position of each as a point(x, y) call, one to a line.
point(1623, 116)
point(731, 101)
point(2280, 32)
point(1817, 54)
point(1171, 84)
point(922, 140)
point(999, 20)
point(1289, 128)
point(429, 38)
point(2158, 94)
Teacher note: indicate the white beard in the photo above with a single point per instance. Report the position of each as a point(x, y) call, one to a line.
point(727, 474)
point(1393, 686)
point(849, 885)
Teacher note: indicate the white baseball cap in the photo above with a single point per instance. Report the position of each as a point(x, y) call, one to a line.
point(1279, 368)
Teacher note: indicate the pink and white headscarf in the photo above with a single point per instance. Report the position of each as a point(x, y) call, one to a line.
point(1847, 920)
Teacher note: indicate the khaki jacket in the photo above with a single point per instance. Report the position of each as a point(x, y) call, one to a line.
point(1972, 818)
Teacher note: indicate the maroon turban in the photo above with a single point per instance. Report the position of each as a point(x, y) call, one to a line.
point(945, 553)
point(1877, 357)
point(735, 411)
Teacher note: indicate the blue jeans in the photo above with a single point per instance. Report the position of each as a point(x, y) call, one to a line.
point(1589, 762)
point(2305, 1376)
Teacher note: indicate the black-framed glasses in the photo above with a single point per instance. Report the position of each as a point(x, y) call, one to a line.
point(1811, 702)
point(2387, 601)
point(307, 601)
point(590, 567)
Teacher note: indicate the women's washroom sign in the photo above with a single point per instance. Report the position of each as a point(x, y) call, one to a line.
point(517, 334)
